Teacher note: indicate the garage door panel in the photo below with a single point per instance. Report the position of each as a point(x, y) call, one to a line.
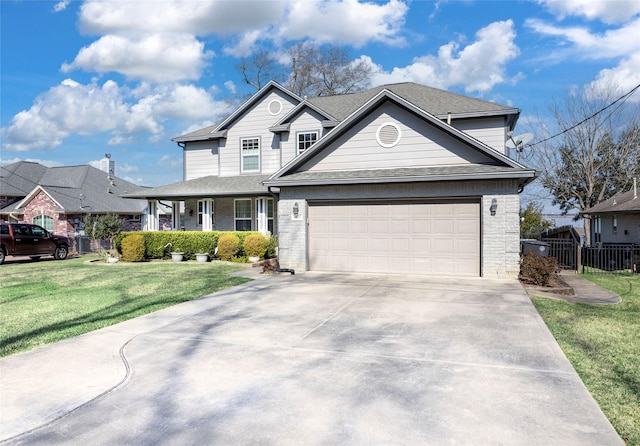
point(423, 238)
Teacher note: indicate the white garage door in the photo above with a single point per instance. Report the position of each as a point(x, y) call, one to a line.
point(424, 238)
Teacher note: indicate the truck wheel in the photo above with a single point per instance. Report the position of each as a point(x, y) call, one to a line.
point(2, 256)
point(61, 252)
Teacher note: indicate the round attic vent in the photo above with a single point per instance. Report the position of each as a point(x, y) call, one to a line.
point(388, 134)
point(275, 107)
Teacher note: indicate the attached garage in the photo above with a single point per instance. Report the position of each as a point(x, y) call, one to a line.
point(410, 237)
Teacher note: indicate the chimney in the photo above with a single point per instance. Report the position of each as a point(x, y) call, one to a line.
point(106, 165)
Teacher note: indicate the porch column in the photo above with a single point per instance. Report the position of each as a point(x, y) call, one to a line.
point(175, 215)
point(151, 217)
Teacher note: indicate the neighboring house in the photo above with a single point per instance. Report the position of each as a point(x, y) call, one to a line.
point(616, 220)
point(401, 178)
point(58, 198)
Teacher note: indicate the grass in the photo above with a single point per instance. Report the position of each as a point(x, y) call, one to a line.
point(603, 344)
point(47, 301)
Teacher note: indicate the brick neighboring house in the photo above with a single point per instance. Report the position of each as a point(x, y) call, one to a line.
point(58, 198)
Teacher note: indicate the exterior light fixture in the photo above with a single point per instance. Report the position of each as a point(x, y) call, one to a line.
point(494, 206)
point(296, 210)
point(190, 212)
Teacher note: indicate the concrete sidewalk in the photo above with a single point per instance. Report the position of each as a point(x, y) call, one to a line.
point(581, 291)
point(311, 359)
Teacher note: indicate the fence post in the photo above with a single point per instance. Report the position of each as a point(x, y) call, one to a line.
point(579, 260)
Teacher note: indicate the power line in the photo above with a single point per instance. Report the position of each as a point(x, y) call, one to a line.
point(623, 98)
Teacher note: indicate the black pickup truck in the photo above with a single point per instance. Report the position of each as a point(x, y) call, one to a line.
point(21, 239)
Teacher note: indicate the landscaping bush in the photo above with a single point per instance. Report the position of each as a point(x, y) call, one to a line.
point(228, 246)
point(133, 248)
point(272, 248)
point(538, 270)
point(159, 244)
point(255, 245)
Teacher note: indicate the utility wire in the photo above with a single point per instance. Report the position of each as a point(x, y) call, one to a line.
point(622, 98)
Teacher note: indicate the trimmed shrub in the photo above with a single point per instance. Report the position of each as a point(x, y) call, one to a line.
point(228, 246)
point(133, 248)
point(538, 270)
point(255, 245)
point(272, 248)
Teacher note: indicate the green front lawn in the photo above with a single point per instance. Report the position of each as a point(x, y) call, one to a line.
point(603, 344)
point(47, 301)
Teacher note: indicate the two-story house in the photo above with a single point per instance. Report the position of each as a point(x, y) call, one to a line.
point(401, 178)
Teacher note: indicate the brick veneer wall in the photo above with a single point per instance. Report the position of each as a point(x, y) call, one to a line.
point(68, 224)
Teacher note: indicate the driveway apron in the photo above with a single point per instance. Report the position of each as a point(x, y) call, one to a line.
point(312, 359)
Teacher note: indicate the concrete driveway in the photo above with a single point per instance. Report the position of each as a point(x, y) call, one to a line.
point(312, 359)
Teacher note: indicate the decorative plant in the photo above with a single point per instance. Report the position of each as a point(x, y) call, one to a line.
point(255, 245)
point(228, 246)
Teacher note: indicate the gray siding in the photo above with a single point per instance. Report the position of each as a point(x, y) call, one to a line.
point(255, 123)
point(308, 121)
point(201, 160)
point(420, 144)
point(625, 222)
point(491, 131)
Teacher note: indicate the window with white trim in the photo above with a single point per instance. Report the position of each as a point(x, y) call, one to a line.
point(242, 217)
point(306, 140)
point(45, 221)
point(250, 148)
point(270, 215)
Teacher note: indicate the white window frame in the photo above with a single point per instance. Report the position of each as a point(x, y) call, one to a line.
point(306, 144)
point(205, 214)
point(235, 214)
point(265, 210)
point(255, 152)
point(40, 221)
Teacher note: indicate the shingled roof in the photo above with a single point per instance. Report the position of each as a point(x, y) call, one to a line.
point(433, 100)
point(74, 188)
point(627, 202)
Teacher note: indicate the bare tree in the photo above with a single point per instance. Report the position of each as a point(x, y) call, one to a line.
point(590, 162)
point(259, 69)
point(314, 70)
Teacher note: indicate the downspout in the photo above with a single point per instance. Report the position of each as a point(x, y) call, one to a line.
point(276, 196)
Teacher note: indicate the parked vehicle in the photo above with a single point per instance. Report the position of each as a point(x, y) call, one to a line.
point(21, 239)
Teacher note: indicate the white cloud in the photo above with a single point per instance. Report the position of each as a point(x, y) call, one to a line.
point(586, 44)
point(61, 6)
point(179, 16)
point(91, 109)
point(477, 66)
point(155, 57)
point(610, 11)
point(623, 77)
point(48, 163)
point(167, 161)
point(231, 87)
point(346, 22)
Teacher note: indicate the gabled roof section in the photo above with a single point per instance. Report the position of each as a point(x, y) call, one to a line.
point(433, 100)
point(83, 189)
point(382, 97)
point(22, 203)
point(18, 179)
point(627, 202)
point(283, 124)
point(219, 130)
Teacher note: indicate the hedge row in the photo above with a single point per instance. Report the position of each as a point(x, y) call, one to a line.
point(159, 245)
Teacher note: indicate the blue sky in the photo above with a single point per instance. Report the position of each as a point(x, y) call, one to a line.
point(83, 78)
